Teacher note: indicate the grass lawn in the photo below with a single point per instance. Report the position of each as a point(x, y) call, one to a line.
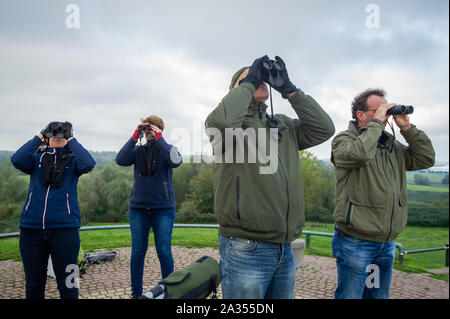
point(412, 238)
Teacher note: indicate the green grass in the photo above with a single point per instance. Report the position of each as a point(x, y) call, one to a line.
point(427, 188)
point(114, 238)
point(412, 238)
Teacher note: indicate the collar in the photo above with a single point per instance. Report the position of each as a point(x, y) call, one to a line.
point(386, 139)
point(255, 106)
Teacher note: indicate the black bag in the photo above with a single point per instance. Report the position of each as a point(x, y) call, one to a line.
point(196, 281)
point(99, 258)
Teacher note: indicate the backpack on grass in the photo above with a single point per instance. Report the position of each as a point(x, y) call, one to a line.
point(196, 281)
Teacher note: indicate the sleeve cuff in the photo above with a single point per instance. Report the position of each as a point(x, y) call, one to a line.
point(376, 121)
point(410, 133)
point(248, 86)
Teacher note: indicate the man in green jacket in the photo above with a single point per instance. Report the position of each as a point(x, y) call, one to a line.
point(370, 204)
point(260, 207)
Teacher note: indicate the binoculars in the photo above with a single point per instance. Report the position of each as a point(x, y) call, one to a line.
point(144, 128)
point(401, 109)
point(272, 75)
point(58, 129)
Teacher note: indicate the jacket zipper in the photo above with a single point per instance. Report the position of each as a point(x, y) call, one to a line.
point(238, 191)
point(29, 201)
point(68, 206)
point(287, 195)
point(46, 199)
point(45, 208)
point(393, 195)
point(285, 177)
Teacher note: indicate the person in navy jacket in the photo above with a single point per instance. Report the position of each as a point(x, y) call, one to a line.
point(152, 200)
point(50, 217)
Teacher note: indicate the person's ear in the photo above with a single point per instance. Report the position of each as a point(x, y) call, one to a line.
point(240, 78)
point(361, 116)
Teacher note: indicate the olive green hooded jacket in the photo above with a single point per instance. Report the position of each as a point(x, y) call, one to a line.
point(249, 204)
point(371, 200)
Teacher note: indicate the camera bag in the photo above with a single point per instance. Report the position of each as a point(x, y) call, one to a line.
point(196, 281)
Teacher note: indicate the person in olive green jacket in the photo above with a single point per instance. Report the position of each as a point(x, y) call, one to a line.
point(370, 204)
point(260, 208)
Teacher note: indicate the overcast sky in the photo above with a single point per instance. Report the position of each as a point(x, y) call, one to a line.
point(175, 59)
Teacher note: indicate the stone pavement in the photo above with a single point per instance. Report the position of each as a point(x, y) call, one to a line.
point(316, 279)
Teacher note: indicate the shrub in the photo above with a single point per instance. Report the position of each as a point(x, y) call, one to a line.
point(421, 180)
point(427, 215)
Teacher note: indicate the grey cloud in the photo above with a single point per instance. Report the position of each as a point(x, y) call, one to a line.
point(91, 73)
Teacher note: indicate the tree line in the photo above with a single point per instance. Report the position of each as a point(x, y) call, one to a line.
point(104, 193)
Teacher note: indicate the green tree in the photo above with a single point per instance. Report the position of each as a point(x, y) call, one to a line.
point(310, 173)
point(421, 179)
point(181, 177)
point(13, 185)
point(201, 191)
point(104, 194)
point(445, 180)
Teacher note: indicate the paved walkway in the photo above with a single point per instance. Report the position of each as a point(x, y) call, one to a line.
point(315, 280)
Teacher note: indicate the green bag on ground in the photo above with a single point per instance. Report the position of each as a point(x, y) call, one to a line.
point(81, 261)
point(196, 281)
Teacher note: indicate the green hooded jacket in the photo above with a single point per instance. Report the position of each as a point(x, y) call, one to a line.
point(263, 206)
point(371, 200)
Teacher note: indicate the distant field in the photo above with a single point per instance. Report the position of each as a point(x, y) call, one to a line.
point(426, 188)
point(434, 178)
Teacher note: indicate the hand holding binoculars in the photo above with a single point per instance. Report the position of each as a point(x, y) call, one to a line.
point(144, 128)
point(273, 69)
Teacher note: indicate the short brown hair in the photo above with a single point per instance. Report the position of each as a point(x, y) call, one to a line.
point(360, 101)
point(154, 120)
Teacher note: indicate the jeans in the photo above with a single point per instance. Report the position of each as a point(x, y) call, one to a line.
point(141, 221)
point(256, 269)
point(364, 267)
point(35, 247)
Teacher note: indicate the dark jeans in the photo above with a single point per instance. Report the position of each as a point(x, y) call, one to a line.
point(35, 247)
point(141, 221)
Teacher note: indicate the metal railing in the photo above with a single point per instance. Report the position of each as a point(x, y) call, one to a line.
point(401, 249)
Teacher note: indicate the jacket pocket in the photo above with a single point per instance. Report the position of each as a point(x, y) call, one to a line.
point(29, 201)
point(238, 195)
point(68, 204)
point(166, 190)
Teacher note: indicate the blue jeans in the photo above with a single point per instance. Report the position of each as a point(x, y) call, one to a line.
point(35, 246)
point(141, 220)
point(364, 267)
point(256, 269)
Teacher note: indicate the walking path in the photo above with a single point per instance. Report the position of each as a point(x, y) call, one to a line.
point(316, 279)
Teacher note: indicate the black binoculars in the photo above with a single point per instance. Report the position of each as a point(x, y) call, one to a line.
point(272, 75)
point(58, 129)
point(144, 128)
point(401, 109)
